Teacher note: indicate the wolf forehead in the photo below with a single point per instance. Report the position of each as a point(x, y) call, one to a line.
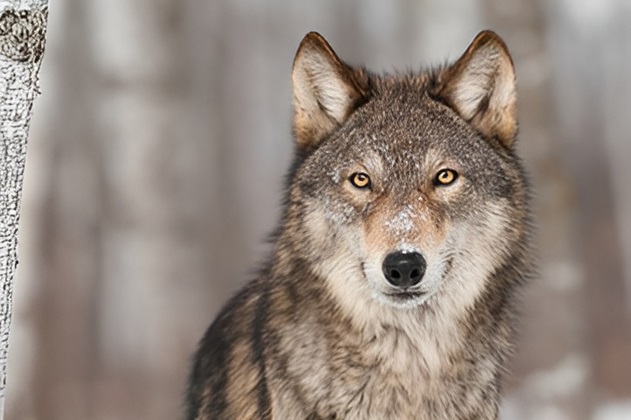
point(406, 128)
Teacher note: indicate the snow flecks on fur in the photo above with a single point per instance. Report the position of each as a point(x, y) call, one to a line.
point(403, 221)
point(407, 248)
point(337, 213)
point(336, 176)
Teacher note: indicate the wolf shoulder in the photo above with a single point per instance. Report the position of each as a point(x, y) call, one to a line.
point(225, 379)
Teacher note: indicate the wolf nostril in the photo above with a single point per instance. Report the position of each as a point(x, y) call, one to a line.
point(404, 269)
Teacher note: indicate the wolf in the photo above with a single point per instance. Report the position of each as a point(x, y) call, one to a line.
point(391, 290)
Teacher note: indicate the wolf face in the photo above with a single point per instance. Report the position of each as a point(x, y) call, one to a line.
point(408, 190)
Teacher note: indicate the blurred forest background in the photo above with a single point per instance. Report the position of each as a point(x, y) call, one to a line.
point(155, 167)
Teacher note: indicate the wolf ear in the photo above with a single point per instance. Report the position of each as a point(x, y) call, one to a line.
point(325, 90)
point(481, 87)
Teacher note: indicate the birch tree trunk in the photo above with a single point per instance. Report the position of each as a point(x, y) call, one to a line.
point(22, 36)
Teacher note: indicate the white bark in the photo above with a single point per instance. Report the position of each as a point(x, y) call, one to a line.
point(22, 35)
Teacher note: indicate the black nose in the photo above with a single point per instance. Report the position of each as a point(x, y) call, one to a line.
point(404, 269)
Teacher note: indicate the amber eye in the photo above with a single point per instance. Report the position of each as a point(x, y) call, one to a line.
point(360, 180)
point(445, 177)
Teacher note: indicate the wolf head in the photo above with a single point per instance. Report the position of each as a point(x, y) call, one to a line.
point(408, 190)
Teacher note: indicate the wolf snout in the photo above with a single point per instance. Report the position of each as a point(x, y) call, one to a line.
point(404, 270)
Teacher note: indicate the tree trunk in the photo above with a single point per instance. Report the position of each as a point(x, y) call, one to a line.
point(22, 36)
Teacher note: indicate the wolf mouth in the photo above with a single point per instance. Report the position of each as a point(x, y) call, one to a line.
point(405, 295)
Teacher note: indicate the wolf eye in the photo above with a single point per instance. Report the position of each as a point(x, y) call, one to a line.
point(445, 177)
point(360, 180)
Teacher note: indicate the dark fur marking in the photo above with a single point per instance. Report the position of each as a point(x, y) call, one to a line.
point(259, 321)
point(360, 394)
point(213, 351)
point(483, 106)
